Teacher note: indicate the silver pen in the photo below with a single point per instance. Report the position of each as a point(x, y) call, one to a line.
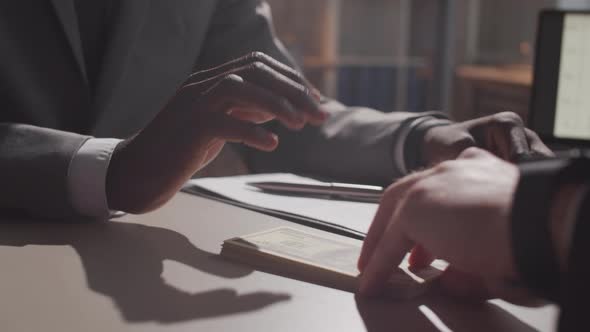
point(345, 191)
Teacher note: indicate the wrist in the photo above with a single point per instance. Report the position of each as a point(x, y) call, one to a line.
point(136, 180)
point(115, 179)
point(427, 154)
point(127, 181)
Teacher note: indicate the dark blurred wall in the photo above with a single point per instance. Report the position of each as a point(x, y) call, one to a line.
point(504, 25)
point(299, 24)
point(368, 42)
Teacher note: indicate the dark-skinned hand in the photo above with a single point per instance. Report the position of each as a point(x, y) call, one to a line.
point(223, 104)
point(502, 134)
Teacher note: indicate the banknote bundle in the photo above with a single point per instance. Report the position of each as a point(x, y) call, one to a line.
point(319, 258)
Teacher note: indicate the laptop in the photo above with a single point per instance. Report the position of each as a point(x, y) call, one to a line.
point(560, 102)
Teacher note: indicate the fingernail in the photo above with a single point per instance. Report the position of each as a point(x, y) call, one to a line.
point(316, 94)
point(271, 139)
point(274, 137)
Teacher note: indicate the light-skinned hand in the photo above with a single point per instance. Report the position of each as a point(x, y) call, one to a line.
point(458, 211)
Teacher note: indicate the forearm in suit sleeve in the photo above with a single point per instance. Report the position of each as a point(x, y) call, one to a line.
point(356, 144)
point(34, 165)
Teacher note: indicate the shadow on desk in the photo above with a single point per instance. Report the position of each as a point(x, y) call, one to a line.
point(125, 262)
point(436, 312)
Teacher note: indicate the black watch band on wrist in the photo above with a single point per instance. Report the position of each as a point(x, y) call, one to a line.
point(532, 241)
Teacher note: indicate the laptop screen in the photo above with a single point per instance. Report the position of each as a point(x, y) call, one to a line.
point(560, 107)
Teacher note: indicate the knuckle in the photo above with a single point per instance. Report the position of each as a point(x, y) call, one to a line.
point(508, 119)
point(257, 56)
point(417, 193)
point(232, 79)
point(470, 152)
point(258, 66)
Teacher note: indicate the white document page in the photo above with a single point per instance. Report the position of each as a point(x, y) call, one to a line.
point(572, 118)
point(353, 215)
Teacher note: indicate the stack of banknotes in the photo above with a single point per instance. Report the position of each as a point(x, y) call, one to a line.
point(320, 258)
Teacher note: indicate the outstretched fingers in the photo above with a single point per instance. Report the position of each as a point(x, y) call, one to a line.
point(387, 207)
point(232, 130)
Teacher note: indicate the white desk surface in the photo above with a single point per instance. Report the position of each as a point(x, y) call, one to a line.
point(161, 272)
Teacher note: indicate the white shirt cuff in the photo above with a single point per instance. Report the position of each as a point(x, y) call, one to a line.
point(87, 177)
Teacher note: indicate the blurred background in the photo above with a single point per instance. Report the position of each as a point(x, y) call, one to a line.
point(466, 57)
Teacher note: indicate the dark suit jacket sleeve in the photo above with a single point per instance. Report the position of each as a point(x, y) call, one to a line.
point(356, 144)
point(532, 243)
point(34, 165)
